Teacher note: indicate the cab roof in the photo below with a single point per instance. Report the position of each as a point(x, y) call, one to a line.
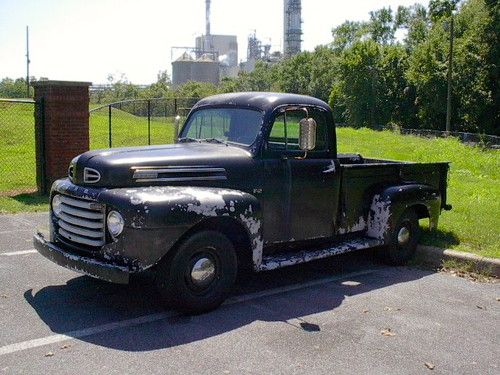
point(264, 101)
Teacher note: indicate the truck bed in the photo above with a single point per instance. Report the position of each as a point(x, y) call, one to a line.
point(362, 177)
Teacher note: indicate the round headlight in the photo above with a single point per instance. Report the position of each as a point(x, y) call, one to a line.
point(56, 205)
point(115, 223)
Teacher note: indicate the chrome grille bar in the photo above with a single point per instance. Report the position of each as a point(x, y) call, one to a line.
point(78, 230)
point(80, 239)
point(86, 214)
point(81, 222)
point(78, 202)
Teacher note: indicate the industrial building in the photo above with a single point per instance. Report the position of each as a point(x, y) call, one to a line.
point(216, 56)
point(203, 67)
point(213, 57)
point(292, 27)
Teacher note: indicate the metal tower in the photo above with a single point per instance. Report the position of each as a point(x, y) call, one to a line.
point(292, 37)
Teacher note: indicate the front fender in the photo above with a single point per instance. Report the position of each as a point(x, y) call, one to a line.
point(388, 205)
point(161, 215)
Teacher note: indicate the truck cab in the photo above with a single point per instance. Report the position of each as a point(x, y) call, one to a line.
point(254, 181)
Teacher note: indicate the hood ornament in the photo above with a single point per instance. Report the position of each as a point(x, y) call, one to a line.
point(91, 176)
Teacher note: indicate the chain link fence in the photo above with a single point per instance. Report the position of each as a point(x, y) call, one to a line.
point(17, 147)
point(137, 122)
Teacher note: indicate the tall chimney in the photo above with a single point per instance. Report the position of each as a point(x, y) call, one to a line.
point(292, 27)
point(207, 17)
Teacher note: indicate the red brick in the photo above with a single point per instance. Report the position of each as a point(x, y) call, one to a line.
point(66, 126)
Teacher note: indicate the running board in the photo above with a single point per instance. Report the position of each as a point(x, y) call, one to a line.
point(284, 260)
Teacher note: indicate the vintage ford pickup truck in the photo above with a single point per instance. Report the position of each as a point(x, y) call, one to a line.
point(254, 181)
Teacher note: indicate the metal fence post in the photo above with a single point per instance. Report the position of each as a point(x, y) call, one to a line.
point(109, 124)
point(176, 128)
point(149, 122)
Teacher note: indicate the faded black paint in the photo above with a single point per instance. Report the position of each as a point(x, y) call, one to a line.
point(278, 199)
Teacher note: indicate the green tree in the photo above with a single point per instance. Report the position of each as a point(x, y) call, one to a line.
point(381, 27)
point(196, 90)
point(345, 35)
point(415, 20)
point(473, 95)
point(10, 88)
point(356, 90)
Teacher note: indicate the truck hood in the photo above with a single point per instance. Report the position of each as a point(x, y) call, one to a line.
point(178, 164)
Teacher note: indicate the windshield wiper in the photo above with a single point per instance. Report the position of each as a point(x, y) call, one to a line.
point(187, 139)
point(215, 140)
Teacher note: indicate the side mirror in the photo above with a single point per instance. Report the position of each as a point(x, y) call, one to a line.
point(307, 136)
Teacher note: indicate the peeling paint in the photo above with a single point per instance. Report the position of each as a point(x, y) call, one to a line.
point(378, 218)
point(360, 225)
point(274, 262)
point(330, 168)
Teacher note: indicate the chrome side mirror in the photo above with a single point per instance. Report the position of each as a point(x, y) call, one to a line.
point(307, 134)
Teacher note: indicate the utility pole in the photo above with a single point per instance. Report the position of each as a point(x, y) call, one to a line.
point(27, 64)
point(450, 69)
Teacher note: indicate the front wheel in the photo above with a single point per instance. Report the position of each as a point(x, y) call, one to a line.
point(403, 240)
point(199, 275)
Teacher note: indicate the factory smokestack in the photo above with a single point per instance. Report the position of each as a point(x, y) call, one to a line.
point(292, 27)
point(207, 17)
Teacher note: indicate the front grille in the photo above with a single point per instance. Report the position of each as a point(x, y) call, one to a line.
point(82, 221)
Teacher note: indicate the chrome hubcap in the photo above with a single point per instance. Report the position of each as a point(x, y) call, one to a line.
point(403, 236)
point(203, 272)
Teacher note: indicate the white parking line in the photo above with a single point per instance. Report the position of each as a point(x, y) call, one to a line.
point(21, 252)
point(30, 344)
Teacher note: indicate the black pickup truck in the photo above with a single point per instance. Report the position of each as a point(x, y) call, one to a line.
point(254, 181)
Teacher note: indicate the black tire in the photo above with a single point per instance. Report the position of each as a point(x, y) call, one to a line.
point(399, 252)
point(181, 290)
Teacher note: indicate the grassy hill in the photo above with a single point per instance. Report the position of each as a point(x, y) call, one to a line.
point(474, 188)
point(127, 129)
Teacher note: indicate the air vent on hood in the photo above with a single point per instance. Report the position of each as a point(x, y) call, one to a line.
point(91, 176)
point(178, 174)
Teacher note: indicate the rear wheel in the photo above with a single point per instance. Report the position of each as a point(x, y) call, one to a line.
point(199, 275)
point(403, 240)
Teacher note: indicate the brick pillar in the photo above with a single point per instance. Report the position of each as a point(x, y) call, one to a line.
point(61, 127)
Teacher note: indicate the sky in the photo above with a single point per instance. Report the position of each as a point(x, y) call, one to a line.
point(86, 40)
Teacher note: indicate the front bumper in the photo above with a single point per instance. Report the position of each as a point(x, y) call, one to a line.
point(86, 265)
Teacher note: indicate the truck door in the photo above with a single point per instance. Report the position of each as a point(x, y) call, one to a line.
point(305, 190)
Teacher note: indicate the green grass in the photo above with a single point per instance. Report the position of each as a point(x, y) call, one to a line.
point(23, 203)
point(128, 130)
point(474, 189)
point(17, 147)
point(473, 186)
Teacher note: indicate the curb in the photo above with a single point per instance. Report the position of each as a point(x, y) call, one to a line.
point(435, 256)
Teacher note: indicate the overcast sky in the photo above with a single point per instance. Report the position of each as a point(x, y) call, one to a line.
point(88, 39)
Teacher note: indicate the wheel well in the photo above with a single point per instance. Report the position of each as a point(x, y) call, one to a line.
point(421, 210)
point(233, 230)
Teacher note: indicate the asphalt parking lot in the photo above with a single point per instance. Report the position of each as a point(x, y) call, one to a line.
point(346, 315)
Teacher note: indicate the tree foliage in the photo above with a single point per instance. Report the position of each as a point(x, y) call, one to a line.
point(390, 69)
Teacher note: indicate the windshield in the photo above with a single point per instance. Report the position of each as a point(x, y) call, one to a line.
point(239, 125)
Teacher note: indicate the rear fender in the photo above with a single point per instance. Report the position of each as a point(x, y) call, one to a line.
point(388, 205)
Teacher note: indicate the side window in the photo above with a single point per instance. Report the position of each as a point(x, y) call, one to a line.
point(285, 131)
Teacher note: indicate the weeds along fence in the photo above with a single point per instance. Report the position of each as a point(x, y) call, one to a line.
point(137, 122)
point(17, 147)
point(471, 139)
